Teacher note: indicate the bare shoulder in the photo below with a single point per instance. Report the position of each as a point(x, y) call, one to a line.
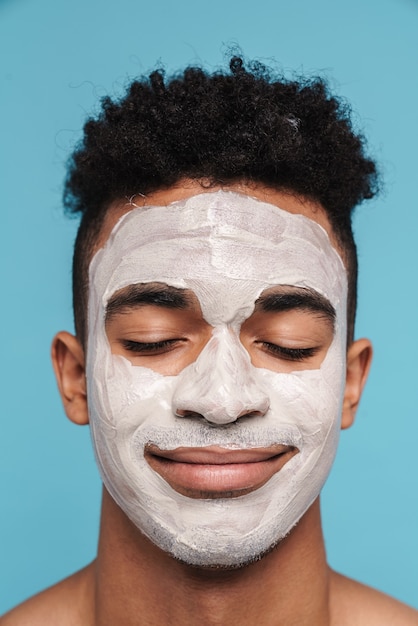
point(68, 603)
point(354, 604)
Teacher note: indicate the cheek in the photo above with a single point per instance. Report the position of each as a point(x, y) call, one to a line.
point(131, 386)
point(311, 399)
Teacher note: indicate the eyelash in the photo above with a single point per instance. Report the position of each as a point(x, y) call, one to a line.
point(155, 347)
point(290, 354)
point(161, 347)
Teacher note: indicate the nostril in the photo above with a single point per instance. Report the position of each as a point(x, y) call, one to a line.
point(251, 414)
point(187, 413)
point(223, 413)
point(258, 407)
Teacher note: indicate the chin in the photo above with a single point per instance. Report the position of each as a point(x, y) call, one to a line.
point(229, 567)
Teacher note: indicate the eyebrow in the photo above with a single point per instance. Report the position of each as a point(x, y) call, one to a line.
point(286, 298)
point(301, 299)
point(146, 294)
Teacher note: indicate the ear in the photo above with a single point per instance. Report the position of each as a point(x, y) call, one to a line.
point(69, 366)
point(359, 358)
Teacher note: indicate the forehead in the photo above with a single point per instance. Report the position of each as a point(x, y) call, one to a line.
point(224, 246)
point(286, 200)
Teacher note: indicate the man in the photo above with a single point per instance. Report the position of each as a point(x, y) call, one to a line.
point(214, 297)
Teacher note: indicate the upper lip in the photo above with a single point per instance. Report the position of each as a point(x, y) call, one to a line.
point(216, 455)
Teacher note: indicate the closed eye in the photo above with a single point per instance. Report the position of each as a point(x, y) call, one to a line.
point(151, 348)
point(288, 354)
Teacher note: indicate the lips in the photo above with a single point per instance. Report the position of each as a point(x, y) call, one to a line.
point(216, 472)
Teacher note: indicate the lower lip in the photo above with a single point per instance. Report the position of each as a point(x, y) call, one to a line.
point(206, 481)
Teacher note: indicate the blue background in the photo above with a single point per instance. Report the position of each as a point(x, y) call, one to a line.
point(57, 58)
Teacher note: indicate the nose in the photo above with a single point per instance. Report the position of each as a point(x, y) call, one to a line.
point(220, 386)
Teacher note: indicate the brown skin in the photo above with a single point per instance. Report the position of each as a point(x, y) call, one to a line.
point(134, 583)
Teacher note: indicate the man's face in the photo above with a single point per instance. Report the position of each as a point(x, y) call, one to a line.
point(216, 370)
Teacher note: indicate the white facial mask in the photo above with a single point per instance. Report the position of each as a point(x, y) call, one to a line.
point(227, 248)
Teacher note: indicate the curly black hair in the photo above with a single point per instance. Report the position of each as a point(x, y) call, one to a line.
point(246, 124)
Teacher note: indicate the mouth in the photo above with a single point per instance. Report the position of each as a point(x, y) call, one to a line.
point(215, 472)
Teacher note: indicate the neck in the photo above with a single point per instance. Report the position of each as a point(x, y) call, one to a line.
point(136, 583)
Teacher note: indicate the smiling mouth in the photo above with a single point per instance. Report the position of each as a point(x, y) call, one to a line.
point(215, 472)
